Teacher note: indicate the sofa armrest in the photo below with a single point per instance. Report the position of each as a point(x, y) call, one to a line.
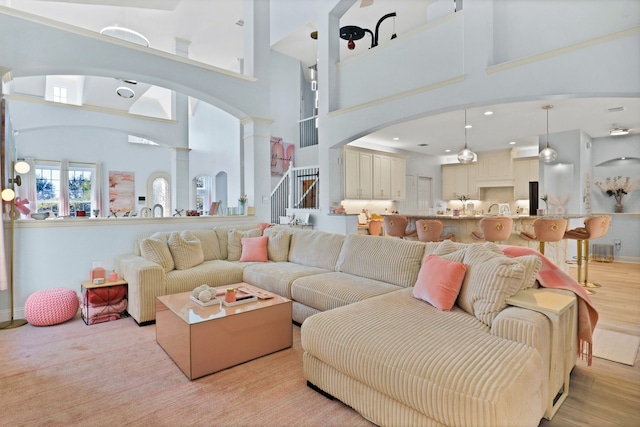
point(146, 281)
point(524, 326)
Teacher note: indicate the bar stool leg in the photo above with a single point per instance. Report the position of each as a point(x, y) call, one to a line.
point(587, 283)
point(541, 248)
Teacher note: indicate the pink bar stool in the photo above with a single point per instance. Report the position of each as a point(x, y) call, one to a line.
point(430, 230)
point(396, 226)
point(546, 230)
point(594, 228)
point(494, 229)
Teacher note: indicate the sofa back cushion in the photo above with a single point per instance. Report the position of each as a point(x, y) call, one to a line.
point(155, 249)
point(186, 250)
point(234, 242)
point(315, 248)
point(209, 241)
point(222, 231)
point(394, 261)
point(491, 278)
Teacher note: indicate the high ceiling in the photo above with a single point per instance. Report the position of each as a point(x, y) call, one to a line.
point(213, 28)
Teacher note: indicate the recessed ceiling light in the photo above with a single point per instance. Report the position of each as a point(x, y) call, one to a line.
point(512, 143)
point(447, 151)
point(619, 131)
point(125, 92)
point(468, 126)
point(396, 139)
point(488, 113)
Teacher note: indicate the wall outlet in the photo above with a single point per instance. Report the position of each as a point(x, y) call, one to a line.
point(618, 244)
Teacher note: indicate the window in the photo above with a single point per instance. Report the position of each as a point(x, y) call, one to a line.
point(49, 190)
point(60, 94)
point(203, 193)
point(159, 188)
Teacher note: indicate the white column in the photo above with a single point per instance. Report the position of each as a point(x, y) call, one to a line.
point(179, 179)
point(256, 150)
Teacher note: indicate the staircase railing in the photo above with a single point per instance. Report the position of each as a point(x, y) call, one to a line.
point(297, 189)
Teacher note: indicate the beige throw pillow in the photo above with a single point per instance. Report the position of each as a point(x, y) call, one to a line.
point(491, 279)
point(531, 263)
point(186, 250)
point(234, 243)
point(278, 245)
point(155, 249)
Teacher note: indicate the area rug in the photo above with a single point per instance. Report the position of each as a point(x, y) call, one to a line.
point(615, 346)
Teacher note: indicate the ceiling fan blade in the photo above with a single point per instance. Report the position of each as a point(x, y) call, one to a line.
point(365, 3)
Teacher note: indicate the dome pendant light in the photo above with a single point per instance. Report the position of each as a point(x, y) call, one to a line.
point(466, 155)
point(548, 154)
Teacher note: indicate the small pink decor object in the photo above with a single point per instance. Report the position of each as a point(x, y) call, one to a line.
point(439, 282)
point(113, 276)
point(51, 306)
point(230, 295)
point(456, 212)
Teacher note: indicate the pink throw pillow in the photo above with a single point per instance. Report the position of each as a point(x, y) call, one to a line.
point(254, 249)
point(439, 282)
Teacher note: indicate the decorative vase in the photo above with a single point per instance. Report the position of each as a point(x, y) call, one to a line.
point(619, 208)
point(242, 208)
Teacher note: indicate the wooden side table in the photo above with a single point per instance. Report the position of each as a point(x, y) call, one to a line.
point(87, 286)
point(553, 303)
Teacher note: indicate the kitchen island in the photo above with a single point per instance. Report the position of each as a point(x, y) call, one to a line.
point(462, 226)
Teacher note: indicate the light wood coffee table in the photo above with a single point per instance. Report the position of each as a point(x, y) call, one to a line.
point(203, 340)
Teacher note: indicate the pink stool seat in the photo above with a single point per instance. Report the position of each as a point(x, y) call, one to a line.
point(51, 306)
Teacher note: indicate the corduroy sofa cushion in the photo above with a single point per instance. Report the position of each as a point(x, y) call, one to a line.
point(315, 248)
point(388, 260)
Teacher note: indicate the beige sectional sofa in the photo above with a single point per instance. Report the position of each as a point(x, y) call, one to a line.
point(367, 340)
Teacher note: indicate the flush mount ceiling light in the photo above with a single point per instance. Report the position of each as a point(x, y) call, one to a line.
point(466, 155)
point(619, 131)
point(125, 92)
point(125, 34)
point(548, 154)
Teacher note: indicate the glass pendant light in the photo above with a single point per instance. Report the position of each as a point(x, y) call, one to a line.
point(466, 155)
point(548, 154)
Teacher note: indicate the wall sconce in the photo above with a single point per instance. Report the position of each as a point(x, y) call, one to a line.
point(9, 195)
point(351, 33)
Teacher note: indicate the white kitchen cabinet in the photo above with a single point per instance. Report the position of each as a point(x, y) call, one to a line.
point(496, 168)
point(381, 177)
point(525, 169)
point(373, 175)
point(358, 174)
point(459, 180)
point(398, 179)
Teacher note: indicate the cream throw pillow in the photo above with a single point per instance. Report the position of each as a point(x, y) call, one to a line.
point(491, 279)
point(532, 265)
point(278, 245)
point(234, 243)
point(186, 250)
point(155, 249)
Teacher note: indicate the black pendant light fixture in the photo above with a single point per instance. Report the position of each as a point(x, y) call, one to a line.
point(466, 155)
point(548, 154)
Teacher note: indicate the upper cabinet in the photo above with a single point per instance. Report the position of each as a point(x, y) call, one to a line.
point(459, 180)
point(525, 169)
point(495, 168)
point(373, 175)
point(358, 169)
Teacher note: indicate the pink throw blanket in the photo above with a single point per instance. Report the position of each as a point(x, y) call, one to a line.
point(551, 276)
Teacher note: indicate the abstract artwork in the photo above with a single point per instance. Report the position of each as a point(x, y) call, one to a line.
point(121, 192)
point(281, 156)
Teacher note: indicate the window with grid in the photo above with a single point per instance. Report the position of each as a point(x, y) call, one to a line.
point(48, 188)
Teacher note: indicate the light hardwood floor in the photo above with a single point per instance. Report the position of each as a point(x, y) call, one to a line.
point(607, 393)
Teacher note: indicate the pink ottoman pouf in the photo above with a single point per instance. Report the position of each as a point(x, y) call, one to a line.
point(51, 306)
